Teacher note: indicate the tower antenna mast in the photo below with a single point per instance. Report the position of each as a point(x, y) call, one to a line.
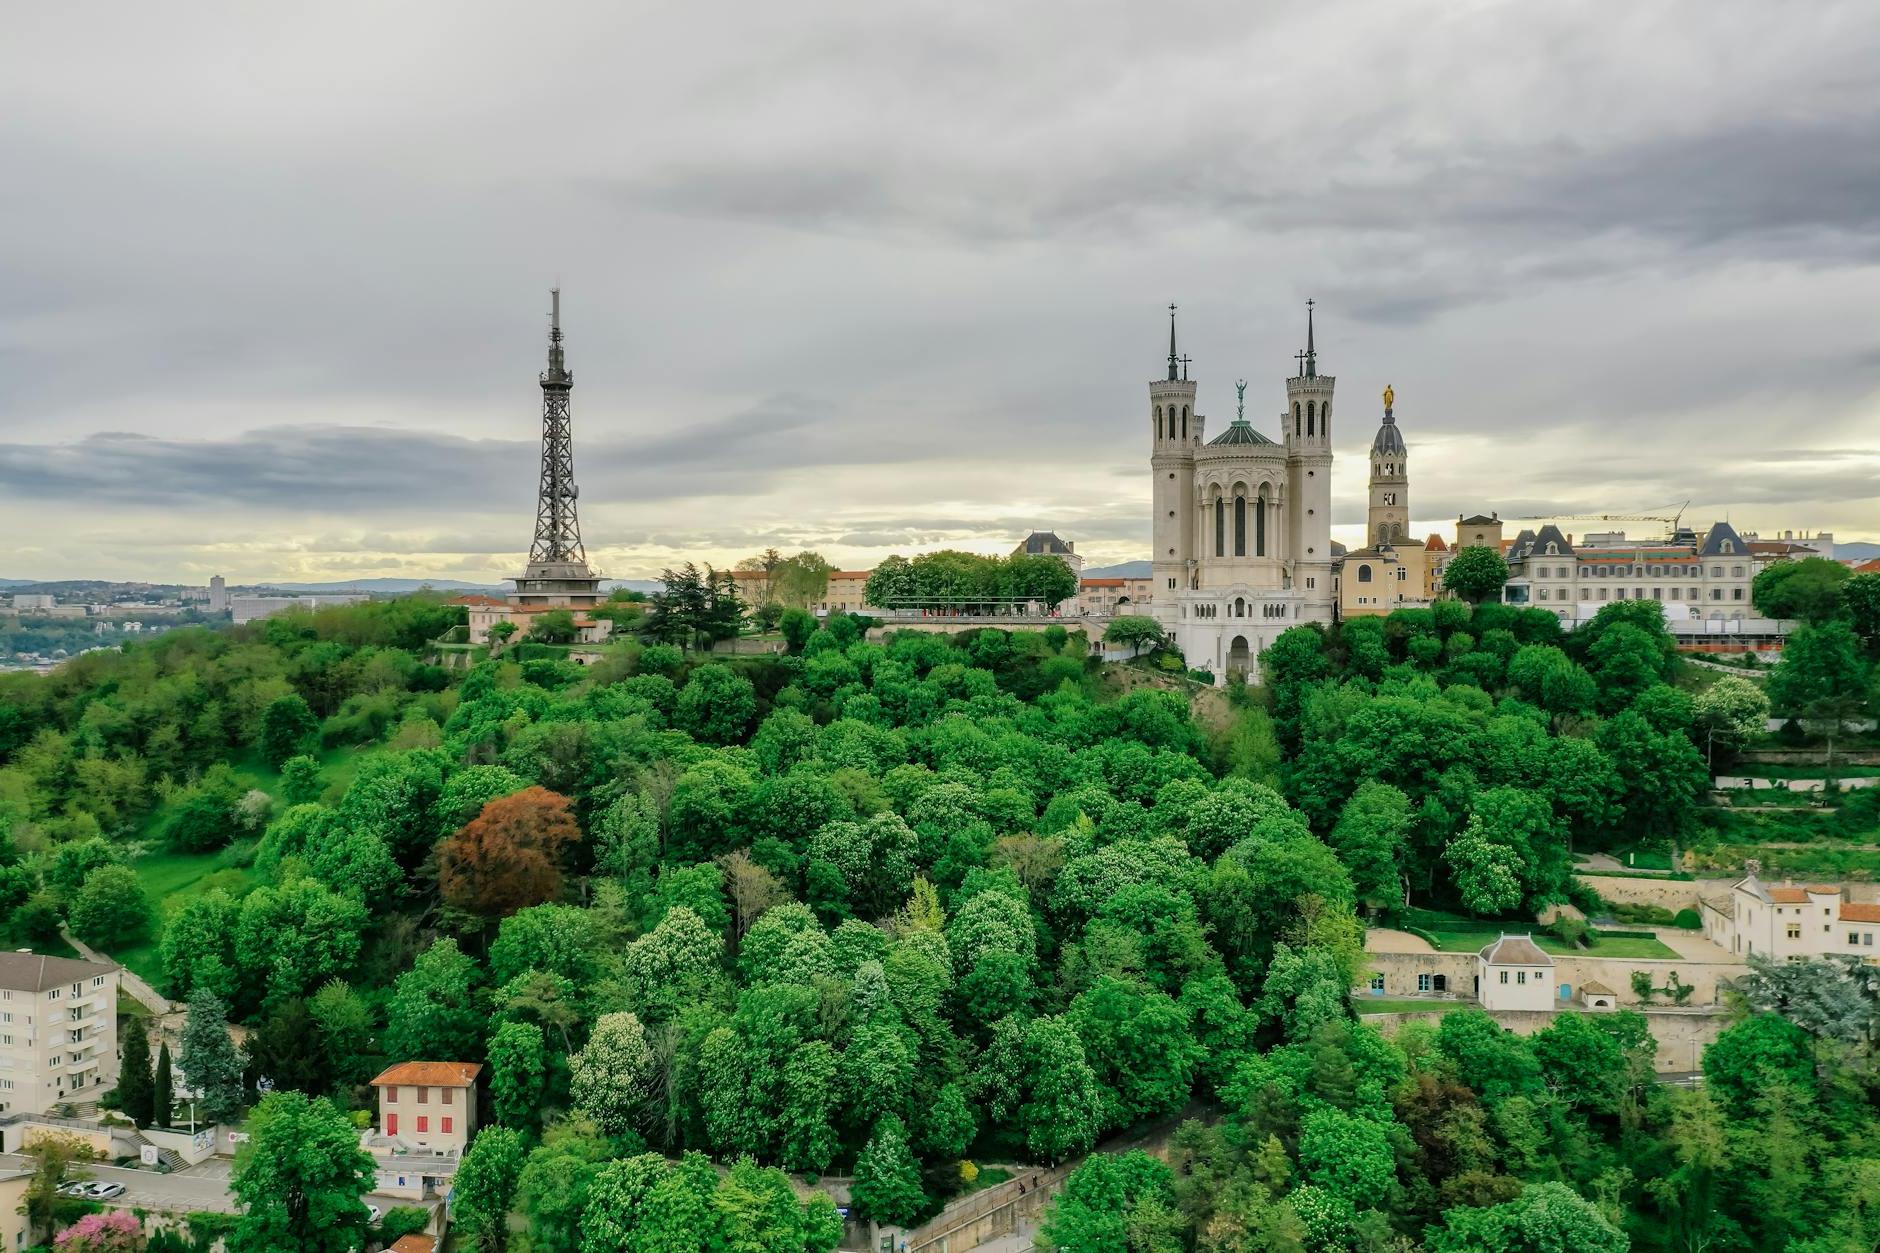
point(557, 526)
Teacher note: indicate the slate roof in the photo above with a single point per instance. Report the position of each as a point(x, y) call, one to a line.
point(1515, 950)
point(1753, 885)
point(1388, 438)
point(1239, 431)
point(1045, 542)
point(1715, 538)
point(35, 972)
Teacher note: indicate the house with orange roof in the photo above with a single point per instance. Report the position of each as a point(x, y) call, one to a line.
point(1789, 922)
point(429, 1106)
point(1105, 597)
point(485, 612)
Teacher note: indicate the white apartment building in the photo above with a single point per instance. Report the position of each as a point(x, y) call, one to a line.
point(1704, 578)
point(58, 1031)
point(254, 608)
point(1791, 923)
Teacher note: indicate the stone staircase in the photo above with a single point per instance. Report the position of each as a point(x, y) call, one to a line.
point(170, 1160)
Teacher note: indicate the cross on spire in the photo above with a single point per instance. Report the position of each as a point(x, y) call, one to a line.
point(1172, 358)
point(1185, 360)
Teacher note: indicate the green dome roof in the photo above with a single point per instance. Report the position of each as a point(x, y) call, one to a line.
point(1239, 431)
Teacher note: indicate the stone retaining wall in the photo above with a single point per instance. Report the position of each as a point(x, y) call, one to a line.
point(1400, 971)
point(1682, 1035)
point(1671, 894)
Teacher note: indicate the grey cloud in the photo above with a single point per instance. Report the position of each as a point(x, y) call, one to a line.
point(840, 274)
point(338, 469)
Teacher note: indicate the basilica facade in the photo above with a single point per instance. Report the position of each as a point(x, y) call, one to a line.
point(1242, 521)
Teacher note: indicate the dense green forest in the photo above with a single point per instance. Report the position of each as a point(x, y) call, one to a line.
point(889, 909)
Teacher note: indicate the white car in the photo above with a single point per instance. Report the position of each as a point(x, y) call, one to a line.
point(72, 1187)
point(100, 1190)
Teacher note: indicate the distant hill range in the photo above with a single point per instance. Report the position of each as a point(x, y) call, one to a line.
point(1128, 570)
point(396, 587)
point(1856, 552)
point(386, 586)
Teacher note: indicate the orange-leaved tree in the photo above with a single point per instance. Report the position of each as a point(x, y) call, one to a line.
point(508, 857)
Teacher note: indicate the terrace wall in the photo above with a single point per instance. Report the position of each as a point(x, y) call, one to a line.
point(1682, 1034)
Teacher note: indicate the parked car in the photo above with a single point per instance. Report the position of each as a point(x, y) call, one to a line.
point(100, 1190)
point(72, 1187)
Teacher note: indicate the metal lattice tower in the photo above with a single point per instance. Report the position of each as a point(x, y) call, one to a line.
point(557, 527)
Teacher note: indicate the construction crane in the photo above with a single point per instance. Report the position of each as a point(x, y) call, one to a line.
point(1670, 520)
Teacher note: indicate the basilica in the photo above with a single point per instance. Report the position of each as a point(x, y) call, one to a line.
point(1242, 523)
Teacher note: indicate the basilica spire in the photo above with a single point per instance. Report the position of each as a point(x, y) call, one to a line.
point(1312, 354)
point(1174, 361)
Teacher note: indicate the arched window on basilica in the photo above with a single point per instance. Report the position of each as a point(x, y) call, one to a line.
point(1240, 525)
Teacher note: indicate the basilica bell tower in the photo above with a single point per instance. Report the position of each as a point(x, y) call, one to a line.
point(1307, 420)
point(1175, 433)
point(1388, 520)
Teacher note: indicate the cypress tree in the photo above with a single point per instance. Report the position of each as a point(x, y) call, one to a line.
point(135, 1088)
point(163, 1094)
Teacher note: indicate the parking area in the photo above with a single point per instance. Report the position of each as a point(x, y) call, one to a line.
point(146, 1189)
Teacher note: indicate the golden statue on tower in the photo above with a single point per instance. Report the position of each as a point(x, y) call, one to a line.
point(1390, 395)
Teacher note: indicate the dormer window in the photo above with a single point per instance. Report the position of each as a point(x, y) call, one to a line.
point(1553, 549)
point(1728, 547)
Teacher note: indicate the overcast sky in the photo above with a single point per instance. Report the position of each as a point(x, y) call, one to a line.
point(883, 277)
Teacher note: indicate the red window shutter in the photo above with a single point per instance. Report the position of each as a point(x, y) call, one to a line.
point(447, 1126)
point(448, 1095)
point(424, 1124)
point(391, 1095)
point(391, 1123)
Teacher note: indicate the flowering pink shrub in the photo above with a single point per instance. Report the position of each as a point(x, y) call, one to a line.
point(113, 1232)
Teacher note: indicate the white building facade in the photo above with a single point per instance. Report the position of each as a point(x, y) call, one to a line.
point(1694, 577)
point(1514, 973)
point(1791, 922)
point(1242, 523)
point(58, 1031)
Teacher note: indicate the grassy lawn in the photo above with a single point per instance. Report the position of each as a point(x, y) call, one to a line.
point(170, 879)
point(1464, 935)
point(1604, 945)
point(1646, 859)
point(1403, 1005)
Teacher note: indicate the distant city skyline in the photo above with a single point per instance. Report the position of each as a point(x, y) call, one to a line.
point(272, 303)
